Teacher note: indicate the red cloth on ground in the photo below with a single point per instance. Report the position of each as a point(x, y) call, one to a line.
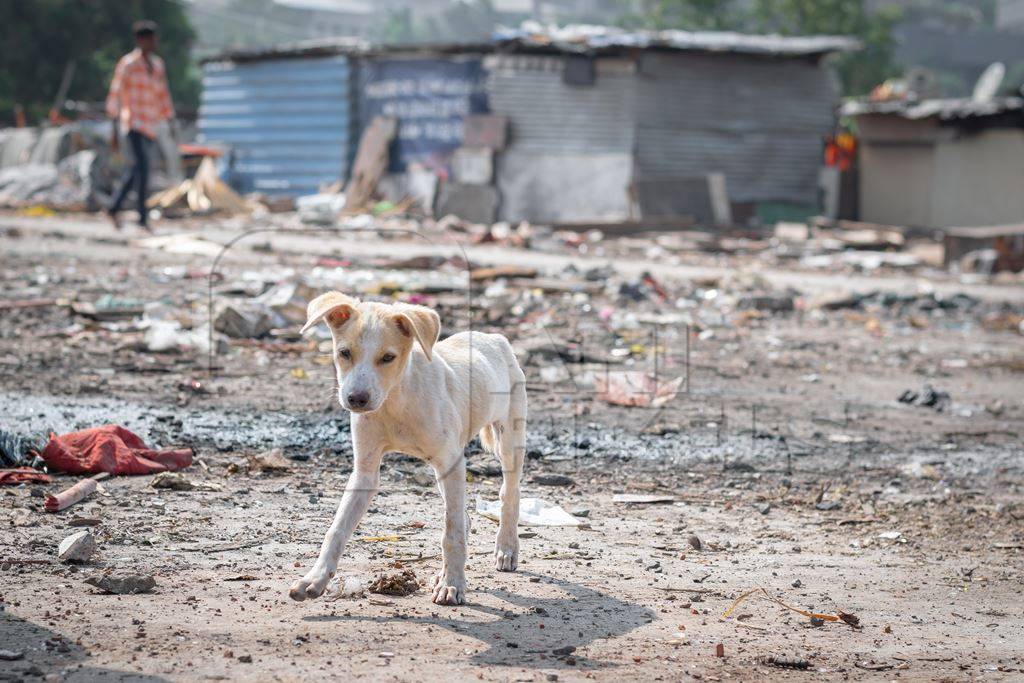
point(22, 475)
point(110, 448)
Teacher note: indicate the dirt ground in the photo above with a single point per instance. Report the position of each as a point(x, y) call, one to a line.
point(787, 455)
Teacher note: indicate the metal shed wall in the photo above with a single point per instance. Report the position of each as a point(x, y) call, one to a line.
point(570, 148)
point(759, 121)
point(288, 121)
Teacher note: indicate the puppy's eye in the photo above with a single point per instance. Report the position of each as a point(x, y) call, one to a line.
point(387, 358)
point(345, 353)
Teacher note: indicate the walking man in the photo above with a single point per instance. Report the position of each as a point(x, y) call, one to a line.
point(138, 103)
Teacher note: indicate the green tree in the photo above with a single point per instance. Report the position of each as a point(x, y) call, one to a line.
point(41, 37)
point(859, 71)
point(692, 15)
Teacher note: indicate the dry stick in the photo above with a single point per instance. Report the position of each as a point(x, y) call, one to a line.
point(812, 615)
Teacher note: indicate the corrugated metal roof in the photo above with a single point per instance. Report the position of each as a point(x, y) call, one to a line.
point(589, 38)
point(288, 122)
point(576, 38)
point(946, 110)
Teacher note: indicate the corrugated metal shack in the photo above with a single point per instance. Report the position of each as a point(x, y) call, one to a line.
point(603, 124)
point(292, 115)
point(612, 124)
point(941, 163)
point(287, 120)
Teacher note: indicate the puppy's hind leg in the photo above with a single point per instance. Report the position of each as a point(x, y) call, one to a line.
point(511, 450)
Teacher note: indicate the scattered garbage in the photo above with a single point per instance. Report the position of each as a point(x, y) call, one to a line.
point(552, 480)
point(78, 547)
point(272, 461)
point(112, 449)
point(785, 662)
point(928, 397)
point(16, 449)
point(845, 617)
point(172, 480)
point(203, 193)
point(23, 475)
point(347, 588)
point(635, 388)
point(532, 512)
point(69, 496)
point(642, 498)
point(398, 583)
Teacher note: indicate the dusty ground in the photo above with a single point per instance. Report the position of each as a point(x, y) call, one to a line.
point(817, 485)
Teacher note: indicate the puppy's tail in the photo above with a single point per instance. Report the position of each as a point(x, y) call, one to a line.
point(489, 439)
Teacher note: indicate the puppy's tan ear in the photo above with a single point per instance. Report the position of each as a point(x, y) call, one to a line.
point(421, 323)
point(334, 306)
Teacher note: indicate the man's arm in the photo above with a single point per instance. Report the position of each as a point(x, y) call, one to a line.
point(114, 102)
point(166, 105)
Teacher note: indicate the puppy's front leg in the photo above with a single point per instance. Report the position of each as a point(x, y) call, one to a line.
point(362, 486)
point(450, 585)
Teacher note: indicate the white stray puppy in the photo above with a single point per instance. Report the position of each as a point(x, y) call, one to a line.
point(411, 394)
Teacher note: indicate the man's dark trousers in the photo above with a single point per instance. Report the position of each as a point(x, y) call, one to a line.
point(137, 173)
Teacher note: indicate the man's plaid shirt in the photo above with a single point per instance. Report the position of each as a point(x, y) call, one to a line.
point(139, 97)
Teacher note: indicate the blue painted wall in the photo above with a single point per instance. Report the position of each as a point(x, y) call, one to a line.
point(288, 122)
point(429, 97)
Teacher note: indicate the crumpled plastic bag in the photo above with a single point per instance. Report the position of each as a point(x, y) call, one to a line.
point(636, 389)
point(532, 512)
point(110, 448)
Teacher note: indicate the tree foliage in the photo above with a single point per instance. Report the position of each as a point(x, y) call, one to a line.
point(40, 37)
point(463, 21)
point(859, 71)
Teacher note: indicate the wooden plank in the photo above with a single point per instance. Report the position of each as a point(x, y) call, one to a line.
point(371, 162)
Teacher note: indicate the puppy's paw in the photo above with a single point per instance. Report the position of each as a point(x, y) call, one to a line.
point(449, 591)
point(506, 558)
point(310, 586)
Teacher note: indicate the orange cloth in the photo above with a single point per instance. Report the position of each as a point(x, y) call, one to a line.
point(138, 96)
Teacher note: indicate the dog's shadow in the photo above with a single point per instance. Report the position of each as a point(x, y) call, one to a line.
point(550, 634)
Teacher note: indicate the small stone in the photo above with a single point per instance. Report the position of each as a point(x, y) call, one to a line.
point(173, 481)
point(797, 584)
point(719, 650)
point(245, 659)
point(694, 542)
point(580, 512)
point(11, 655)
point(562, 651)
point(817, 622)
point(78, 547)
point(126, 584)
point(765, 509)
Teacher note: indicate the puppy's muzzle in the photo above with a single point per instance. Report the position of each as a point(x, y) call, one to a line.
point(358, 401)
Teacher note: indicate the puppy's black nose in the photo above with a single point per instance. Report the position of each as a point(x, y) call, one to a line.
point(358, 399)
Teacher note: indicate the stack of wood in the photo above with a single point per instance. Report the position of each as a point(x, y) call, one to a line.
point(204, 192)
